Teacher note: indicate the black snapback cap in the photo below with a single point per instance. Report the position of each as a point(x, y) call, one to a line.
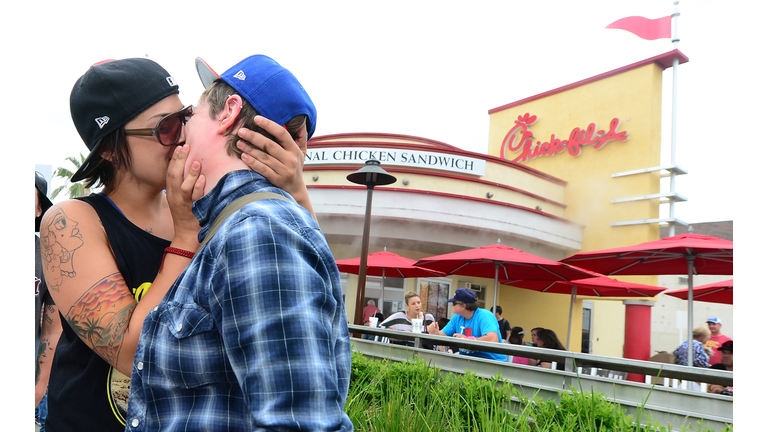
point(109, 95)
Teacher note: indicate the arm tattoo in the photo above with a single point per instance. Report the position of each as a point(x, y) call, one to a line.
point(101, 316)
point(42, 353)
point(44, 347)
point(59, 238)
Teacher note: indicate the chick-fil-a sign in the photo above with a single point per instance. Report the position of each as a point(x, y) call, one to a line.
point(521, 139)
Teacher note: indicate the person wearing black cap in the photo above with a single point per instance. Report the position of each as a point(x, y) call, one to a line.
point(47, 330)
point(227, 348)
point(726, 350)
point(470, 322)
point(102, 253)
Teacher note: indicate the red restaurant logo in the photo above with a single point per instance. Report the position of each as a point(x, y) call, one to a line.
point(520, 139)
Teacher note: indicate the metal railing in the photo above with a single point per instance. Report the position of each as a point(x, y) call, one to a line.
point(677, 408)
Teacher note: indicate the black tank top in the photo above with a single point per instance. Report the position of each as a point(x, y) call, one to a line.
point(84, 392)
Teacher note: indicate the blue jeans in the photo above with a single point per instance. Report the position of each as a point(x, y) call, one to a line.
point(41, 411)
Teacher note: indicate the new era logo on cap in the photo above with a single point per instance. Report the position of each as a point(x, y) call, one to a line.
point(102, 121)
point(240, 75)
point(171, 81)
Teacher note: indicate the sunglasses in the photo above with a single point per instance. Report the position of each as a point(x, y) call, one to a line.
point(168, 129)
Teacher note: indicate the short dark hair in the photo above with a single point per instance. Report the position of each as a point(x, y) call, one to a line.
point(442, 322)
point(497, 309)
point(115, 147)
point(516, 338)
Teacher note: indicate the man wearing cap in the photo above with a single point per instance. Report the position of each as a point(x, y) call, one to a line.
point(253, 334)
point(726, 350)
point(47, 329)
point(470, 322)
point(716, 339)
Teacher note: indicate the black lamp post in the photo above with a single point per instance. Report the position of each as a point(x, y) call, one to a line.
point(370, 175)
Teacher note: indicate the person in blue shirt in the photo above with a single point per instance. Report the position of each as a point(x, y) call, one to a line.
point(253, 334)
point(481, 324)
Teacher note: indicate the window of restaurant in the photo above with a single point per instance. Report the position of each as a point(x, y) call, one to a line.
point(434, 293)
point(480, 290)
point(391, 300)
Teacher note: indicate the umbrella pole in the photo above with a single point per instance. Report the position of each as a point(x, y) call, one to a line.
point(383, 278)
point(690, 259)
point(496, 290)
point(570, 318)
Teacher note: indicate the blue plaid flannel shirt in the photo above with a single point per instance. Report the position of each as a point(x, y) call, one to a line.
point(253, 334)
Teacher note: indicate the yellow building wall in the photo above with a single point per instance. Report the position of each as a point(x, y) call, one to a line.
point(634, 97)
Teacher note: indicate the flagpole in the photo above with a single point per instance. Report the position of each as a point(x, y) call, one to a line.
point(675, 62)
point(673, 174)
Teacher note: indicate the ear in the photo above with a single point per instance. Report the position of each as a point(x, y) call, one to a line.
point(301, 138)
point(228, 116)
point(108, 156)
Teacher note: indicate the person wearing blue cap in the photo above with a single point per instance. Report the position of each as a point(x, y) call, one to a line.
point(716, 339)
point(110, 257)
point(227, 348)
point(472, 323)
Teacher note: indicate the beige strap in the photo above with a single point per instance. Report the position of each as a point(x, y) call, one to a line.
point(235, 206)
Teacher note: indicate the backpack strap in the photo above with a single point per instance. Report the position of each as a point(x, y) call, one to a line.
point(234, 206)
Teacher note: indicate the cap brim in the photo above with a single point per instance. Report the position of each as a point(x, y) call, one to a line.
point(206, 73)
point(90, 163)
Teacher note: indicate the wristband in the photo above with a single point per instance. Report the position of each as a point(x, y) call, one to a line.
point(141, 290)
point(470, 338)
point(180, 252)
point(176, 251)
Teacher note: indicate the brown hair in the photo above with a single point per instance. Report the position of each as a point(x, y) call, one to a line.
point(115, 148)
point(549, 339)
point(409, 295)
point(217, 94)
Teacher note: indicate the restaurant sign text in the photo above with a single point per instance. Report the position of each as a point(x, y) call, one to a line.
point(520, 140)
point(396, 157)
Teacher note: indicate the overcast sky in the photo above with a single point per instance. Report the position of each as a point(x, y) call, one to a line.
point(422, 68)
point(431, 69)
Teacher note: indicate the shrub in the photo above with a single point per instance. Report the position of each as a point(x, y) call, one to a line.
point(412, 396)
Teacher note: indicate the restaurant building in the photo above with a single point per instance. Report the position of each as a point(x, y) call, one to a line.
point(577, 168)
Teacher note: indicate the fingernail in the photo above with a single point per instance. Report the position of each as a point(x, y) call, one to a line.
point(241, 145)
point(246, 157)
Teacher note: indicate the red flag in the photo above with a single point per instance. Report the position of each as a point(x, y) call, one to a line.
point(649, 29)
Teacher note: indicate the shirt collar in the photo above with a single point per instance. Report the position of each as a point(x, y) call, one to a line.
point(232, 186)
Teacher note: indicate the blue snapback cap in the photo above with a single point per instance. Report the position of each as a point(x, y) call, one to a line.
point(272, 89)
point(463, 295)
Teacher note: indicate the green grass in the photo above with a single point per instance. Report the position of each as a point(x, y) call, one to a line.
point(413, 396)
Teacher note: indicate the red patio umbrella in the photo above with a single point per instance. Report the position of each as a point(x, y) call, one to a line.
point(718, 292)
point(502, 262)
point(382, 263)
point(681, 254)
point(599, 286)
